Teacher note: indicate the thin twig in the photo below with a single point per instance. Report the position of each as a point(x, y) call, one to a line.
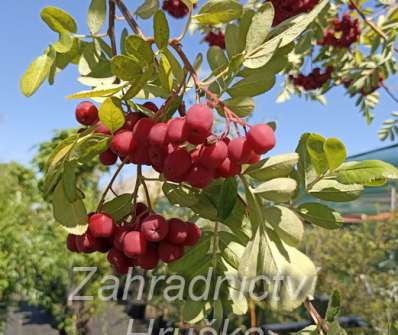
point(129, 18)
point(111, 27)
point(370, 23)
point(319, 321)
point(389, 92)
point(111, 182)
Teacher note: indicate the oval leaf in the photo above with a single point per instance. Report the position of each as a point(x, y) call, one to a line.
point(260, 26)
point(335, 152)
point(58, 20)
point(96, 15)
point(278, 189)
point(119, 207)
point(219, 11)
point(321, 215)
point(161, 29)
point(111, 114)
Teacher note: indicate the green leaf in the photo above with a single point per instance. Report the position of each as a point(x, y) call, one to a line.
point(37, 72)
point(281, 36)
point(175, 65)
point(165, 73)
point(119, 207)
point(227, 198)
point(64, 44)
point(98, 92)
point(320, 215)
point(334, 306)
point(273, 167)
point(96, 16)
point(267, 255)
point(231, 40)
point(71, 215)
point(161, 29)
point(335, 152)
point(219, 11)
point(366, 173)
point(89, 148)
point(278, 189)
point(260, 26)
point(69, 181)
point(58, 20)
point(126, 68)
point(193, 311)
point(252, 86)
point(179, 195)
point(306, 169)
point(111, 114)
point(254, 205)
point(286, 224)
point(140, 49)
point(217, 60)
point(332, 190)
point(241, 106)
point(316, 152)
point(148, 9)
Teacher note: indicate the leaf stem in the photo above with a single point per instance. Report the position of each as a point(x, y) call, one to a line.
point(111, 26)
point(129, 18)
point(319, 321)
point(370, 23)
point(111, 182)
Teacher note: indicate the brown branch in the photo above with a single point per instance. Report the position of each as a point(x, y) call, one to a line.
point(129, 18)
point(319, 321)
point(111, 26)
point(370, 23)
point(111, 182)
point(389, 92)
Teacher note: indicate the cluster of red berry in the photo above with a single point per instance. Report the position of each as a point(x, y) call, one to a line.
point(176, 8)
point(314, 80)
point(184, 149)
point(285, 9)
point(216, 38)
point(149, 239)
point(343, 34)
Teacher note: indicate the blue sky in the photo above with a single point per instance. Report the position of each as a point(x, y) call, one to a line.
point(25, 122)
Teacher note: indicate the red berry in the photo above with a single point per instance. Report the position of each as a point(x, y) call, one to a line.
point(120, 263)
point(194, 235)
point(261, 138)
point(197, 138)
point(108, 158)
point(158, 134)
point(139, 156)
point(101, 225)
point(123, 143)
point(101, 129)
point(228, 169)
point(157, 156)
point(131, 120)
point(169, 252)
point(150, 260)
point(141, 131)
point(103, 245)
point(134, 244)
point(239, 150)
point(177, 132)
point(254, 158)
point(86, 243)
point(213, 155)
point(155, 228)
point(178, 231)
point(200, 176)
point(177, 165)
point(86, 113)
point(140, 209)
point(151, 106)
point(176, 8)
point(118, 237)
point(199, 119)
point(216, 39)
point(71, 243)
